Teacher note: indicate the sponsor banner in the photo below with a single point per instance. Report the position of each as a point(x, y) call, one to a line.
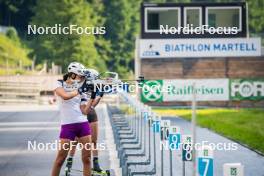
point(205, 89)
point(222, 47)
point(246, 89)
point(182, 90)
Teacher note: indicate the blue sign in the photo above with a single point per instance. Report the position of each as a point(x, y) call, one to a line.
point(219, 47)
point(126, 87)
point(174, 141)
point(145, 114)
point(205, 166)
point(156, 126)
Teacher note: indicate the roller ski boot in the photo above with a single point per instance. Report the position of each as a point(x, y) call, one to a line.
point(102, 173)
point(68, 167)
point(97, 171)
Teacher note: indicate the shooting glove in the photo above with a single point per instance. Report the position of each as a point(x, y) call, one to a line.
point(84, 88)
point(101, 94)
point(93, 95)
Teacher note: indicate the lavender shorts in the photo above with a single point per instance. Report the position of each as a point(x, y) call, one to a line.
point(70, 131)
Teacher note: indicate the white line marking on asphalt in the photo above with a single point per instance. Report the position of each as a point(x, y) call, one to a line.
point(114, 161)
point(28, 129)
point(3, 124)
point(24, 152)
point(29, 107)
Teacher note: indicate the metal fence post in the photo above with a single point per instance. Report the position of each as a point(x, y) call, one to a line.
point(194, 129)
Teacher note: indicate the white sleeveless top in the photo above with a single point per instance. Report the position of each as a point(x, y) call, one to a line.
point(70, 111)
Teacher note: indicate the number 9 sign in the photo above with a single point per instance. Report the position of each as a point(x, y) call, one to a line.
point(174, 137)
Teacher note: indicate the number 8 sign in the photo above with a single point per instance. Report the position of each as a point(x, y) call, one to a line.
point(187, 154)
point(205, 161)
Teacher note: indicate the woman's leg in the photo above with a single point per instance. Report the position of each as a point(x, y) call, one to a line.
point(93, 119)
point(61, 156)
point(73, 149)
point(86, 142)
point(94, 127)
point(71, 154)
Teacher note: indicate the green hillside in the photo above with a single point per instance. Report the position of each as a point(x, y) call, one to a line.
point(12, 54)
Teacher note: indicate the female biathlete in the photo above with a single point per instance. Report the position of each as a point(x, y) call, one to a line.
point(74, 105)
point(93, 121)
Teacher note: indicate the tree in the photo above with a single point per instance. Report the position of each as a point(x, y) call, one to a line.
point(62, 48)
point(102, 45)
point(113, 51)
point(16, 14)
point(256, 16)
point(122, 24)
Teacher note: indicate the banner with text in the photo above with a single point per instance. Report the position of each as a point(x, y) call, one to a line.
point(205, 89)
point(182, 90)
point(222, 47)
point(246, 89)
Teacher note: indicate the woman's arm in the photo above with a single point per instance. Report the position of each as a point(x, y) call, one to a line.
point(65, 95)
point(97, 100)
point(86, 107)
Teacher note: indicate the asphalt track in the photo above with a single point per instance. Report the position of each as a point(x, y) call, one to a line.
point(253, 162)
point(29, 124)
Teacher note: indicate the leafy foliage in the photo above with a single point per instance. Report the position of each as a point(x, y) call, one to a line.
point(60, 48)
point(12, 52)
point(113, 51)
point(256, 16)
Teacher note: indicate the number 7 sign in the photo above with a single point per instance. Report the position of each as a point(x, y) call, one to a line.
point(205, 166)
point(205, 161)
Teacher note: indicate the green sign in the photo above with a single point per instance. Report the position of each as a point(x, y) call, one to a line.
point(233, 171)
point(152, 91)
point(182, 90)
point(246, 89)
point(205, 89)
